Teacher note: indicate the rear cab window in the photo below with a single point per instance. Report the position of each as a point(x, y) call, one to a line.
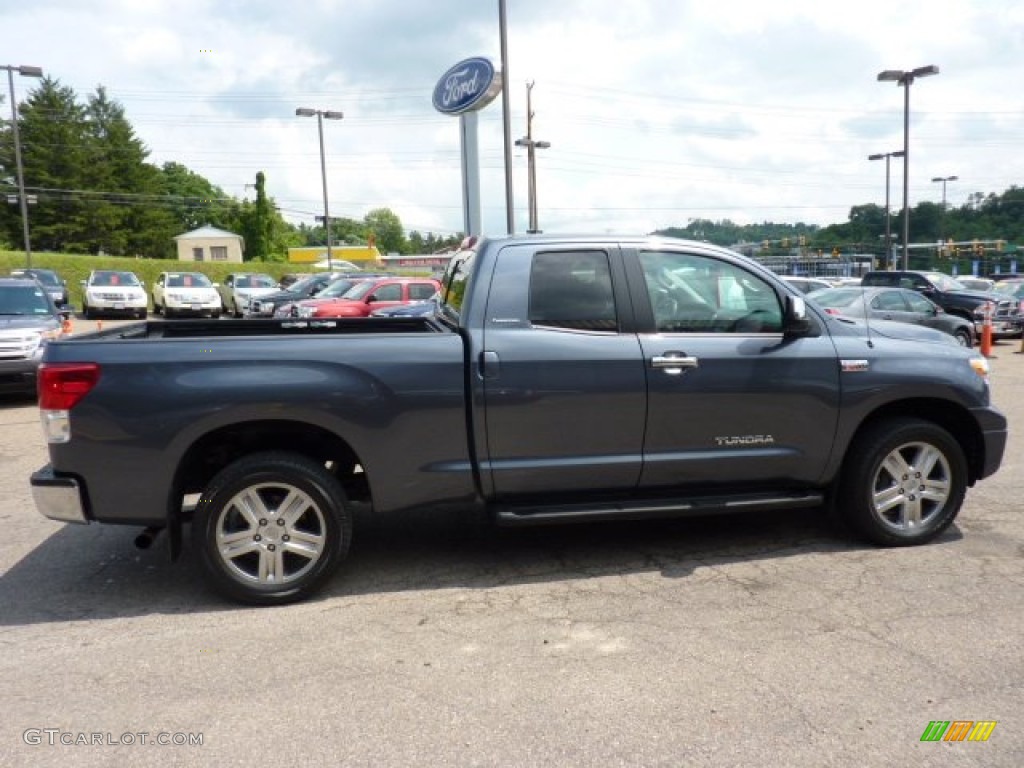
point(572, 290)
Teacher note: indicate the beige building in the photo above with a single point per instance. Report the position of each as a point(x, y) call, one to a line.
point(210, 244)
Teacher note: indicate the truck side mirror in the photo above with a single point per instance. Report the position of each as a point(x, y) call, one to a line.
point(795, 322)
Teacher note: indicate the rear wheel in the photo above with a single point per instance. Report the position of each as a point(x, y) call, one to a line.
point(904, 482)
point(271, 528)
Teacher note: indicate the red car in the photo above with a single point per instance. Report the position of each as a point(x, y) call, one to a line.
point(365, 297)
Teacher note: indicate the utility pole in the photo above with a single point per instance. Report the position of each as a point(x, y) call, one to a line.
point(531, 158)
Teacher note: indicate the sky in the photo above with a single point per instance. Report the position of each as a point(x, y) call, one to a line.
point(658, 112)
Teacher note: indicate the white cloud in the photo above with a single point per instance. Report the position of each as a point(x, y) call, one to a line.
point(658, 111)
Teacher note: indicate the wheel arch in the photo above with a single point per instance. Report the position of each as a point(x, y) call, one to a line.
point(210, 453)
point(953, 418)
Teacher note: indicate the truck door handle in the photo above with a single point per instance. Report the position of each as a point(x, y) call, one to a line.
point(673, 363)
point(490, 364)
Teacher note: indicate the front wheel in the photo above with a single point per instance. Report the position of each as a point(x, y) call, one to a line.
point(904, 482)
point(963, 337)
point(271, 528)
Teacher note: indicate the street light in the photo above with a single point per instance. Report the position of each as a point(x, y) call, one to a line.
point(888, 229)
point(944, 179)
point(905, 78)
point(320, 115)
point(25, 71)
point(942, 216)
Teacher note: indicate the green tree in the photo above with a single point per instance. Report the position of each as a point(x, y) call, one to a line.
point(193, 200)
point(387, 230)
point(53, 134)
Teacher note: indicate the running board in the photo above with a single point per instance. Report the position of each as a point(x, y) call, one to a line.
point(655, 508)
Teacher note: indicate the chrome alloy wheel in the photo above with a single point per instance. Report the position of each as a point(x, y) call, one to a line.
point(912, 485)
point(271, 534)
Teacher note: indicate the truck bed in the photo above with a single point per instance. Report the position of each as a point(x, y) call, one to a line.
point(184, 329)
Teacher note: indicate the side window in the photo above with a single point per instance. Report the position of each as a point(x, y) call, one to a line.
point(889, 300)
point(572, 290)
point(391, 292)
point(691, 293)
point(919, 304)
point(421, 291)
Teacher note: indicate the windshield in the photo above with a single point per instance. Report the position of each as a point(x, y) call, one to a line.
point(45, 276)
point(114, 278)
point(255, 281)
point(837, 297)
point(944, 282)
point(303, 284)
point(359, 290)
point(336, 289)
point(1010, 287)
point(188, 280)
point(26, 299)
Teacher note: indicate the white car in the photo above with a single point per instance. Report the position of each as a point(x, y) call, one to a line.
point(113, 292)
point(239, 289)
point(185, 293)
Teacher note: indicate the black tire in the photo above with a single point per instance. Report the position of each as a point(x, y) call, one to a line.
point(142, 314)
point(157, 309)
point(320, 520)
point(964, 337)
point(903, 483)
point(86, 312)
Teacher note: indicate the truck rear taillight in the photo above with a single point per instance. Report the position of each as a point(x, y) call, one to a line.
point(62, 385)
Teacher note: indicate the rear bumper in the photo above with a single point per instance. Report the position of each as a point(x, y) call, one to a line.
point(58, 497)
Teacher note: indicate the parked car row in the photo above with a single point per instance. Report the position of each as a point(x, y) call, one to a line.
point(933, 299)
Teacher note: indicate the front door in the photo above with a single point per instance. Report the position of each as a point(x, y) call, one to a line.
point(731, 400)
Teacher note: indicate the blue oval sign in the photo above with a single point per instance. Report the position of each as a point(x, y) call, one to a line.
point(469, 85)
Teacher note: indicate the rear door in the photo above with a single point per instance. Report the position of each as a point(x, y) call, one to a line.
point(563, 380)
point(731, 400)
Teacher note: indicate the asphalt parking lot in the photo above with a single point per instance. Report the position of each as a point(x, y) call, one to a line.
point(754, 640)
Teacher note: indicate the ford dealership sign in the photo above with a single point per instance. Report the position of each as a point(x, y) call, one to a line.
point(470, 85)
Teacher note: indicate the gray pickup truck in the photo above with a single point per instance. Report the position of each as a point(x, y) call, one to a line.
point(562, 379)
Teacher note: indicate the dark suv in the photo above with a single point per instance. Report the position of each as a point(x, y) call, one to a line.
point(54, 284)
point(954, 298)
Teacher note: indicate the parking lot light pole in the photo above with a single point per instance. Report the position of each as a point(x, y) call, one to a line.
point(25, 71)
point(888, 222)
point(905, 78)
point(942, 216)
point(944, 179)
point(320, 115)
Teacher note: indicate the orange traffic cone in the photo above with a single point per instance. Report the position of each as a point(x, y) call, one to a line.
point(986, 332)
point(99, 325)
point(986, 339)
point(65, 326)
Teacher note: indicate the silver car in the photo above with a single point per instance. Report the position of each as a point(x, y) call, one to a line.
point(28, 320)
